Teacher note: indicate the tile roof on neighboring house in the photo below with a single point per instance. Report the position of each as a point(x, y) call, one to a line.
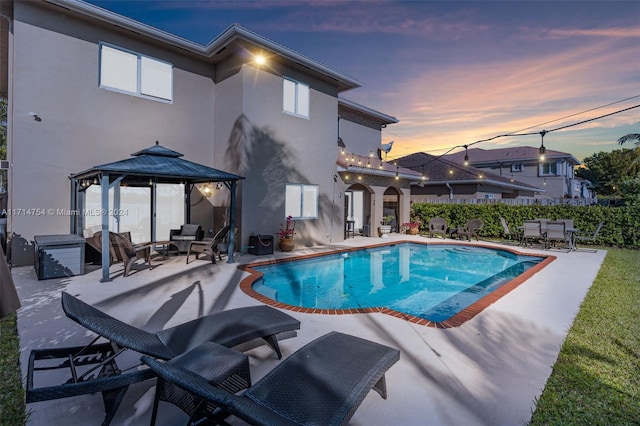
point(479, 156)
point(438, 170)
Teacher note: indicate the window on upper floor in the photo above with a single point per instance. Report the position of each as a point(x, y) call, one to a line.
point(132, 73)
point(548, 169)
point(295, 98)
point(516, 167)
point(301, 201)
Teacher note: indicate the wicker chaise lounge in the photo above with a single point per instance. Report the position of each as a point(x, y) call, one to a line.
point(93, 368)
point(323, 383)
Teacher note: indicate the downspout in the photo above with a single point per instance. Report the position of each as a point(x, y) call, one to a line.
point(450, 190)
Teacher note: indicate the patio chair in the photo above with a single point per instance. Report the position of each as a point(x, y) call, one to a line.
point(508, 234)
point(181, 238)
point(556, 231)
point(93, 368)
point(531, 231)
point(323, 383)
point(122, 250)
point(438, 225)
point(470, 229)
point(587, 238)
point(208, 248)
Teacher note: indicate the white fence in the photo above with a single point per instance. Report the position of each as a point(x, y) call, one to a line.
point(517, 201)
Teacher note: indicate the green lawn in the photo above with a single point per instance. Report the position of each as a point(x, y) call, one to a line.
point(12, 406)
point(595, 381)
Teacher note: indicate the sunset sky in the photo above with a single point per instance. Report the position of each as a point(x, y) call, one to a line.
point(453, 72)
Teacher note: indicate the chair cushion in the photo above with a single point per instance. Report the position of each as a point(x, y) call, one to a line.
point(190, 229)
point(184, 238)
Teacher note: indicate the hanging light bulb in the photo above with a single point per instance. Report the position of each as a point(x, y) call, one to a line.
point(542, 149)
point(466, 155)
point(397, 176)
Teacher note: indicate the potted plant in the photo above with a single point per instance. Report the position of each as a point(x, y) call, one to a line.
point(285, 235)
point(385, 226)
point(410, 227)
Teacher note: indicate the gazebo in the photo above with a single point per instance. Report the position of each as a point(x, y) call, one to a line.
point(150, 166)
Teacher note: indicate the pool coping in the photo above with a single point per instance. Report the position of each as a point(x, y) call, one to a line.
point(246, 285)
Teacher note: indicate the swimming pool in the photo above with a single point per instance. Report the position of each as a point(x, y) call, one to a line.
point(435, 284)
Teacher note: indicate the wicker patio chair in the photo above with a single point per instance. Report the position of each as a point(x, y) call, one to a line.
point(438, 225)
point(121, 249)
point(208, 248)
point(93, 368)
point(470, 229)
point(323, 383)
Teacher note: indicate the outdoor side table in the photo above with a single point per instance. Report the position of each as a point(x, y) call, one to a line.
point(220, 366)
point(162, 247)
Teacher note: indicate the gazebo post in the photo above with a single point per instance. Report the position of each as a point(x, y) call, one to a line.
point(73, 218)
point(104, 187)
point(232, 223)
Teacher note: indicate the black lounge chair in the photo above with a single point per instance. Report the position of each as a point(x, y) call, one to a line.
point(93, 368)
point(323, 383)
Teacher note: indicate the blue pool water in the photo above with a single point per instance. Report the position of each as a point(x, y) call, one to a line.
point(433, 282)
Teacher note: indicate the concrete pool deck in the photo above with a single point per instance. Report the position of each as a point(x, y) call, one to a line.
point(487, 371)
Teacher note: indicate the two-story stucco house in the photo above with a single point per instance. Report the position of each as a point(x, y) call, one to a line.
point(554, 172)
point(87, 87)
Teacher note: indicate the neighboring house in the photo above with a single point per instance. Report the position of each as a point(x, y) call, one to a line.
point(441, 178)
point(87, 87)
point(555, 173)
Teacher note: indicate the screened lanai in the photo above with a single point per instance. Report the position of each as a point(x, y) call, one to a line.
point(148, 168)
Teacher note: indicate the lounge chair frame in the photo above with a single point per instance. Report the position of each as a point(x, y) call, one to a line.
point(228, 328)
point(322, 383)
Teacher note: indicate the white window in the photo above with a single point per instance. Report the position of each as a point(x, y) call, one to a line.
point(301, 201)
point(516, 167)
point(130, 72)
point(548, 169)
point(295, 98)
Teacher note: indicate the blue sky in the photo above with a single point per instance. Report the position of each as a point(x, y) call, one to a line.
point(452, 72)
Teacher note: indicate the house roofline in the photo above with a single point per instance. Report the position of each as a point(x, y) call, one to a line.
point(228, 36)
point(478, 181)
point(382, 117)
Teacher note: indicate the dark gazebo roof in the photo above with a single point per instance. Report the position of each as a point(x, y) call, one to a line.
point(160, 163)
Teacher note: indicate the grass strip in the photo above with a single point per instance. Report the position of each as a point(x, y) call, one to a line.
point(12, 405)
point(596, 379)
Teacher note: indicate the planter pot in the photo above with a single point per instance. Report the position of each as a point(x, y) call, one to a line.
point(414, 231)
point(384, 229)
point(286, 244)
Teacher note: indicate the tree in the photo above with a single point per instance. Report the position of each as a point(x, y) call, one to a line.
point(607, 170)
point(631, 189)
point(630, 138)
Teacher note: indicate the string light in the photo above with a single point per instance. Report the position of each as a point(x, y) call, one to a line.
point(542, 149)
